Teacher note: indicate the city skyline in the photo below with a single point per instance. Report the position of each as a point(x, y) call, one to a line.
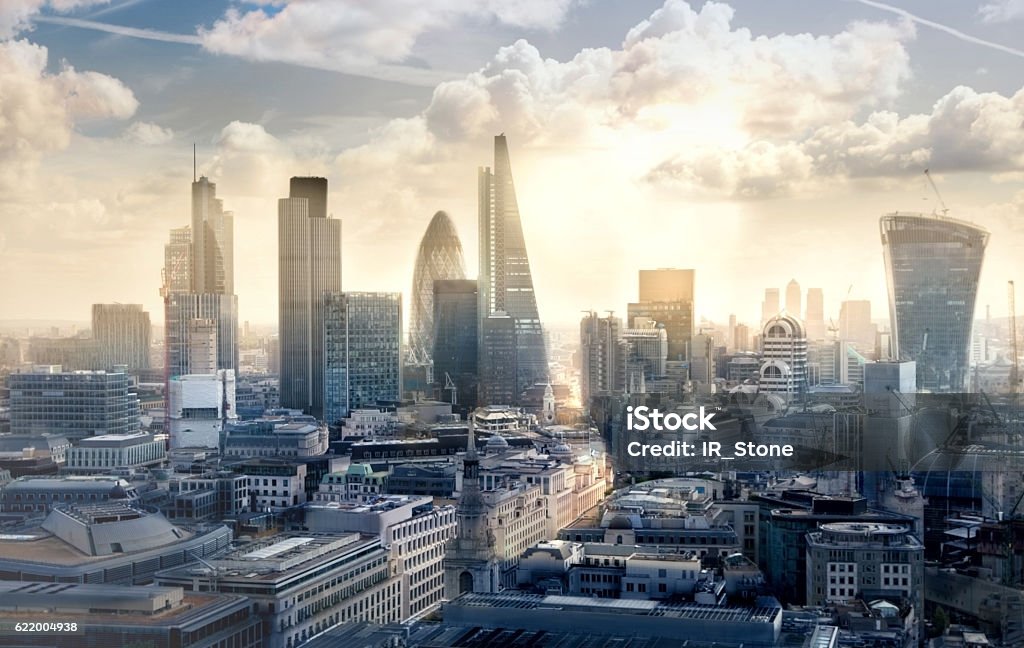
point(410, 148)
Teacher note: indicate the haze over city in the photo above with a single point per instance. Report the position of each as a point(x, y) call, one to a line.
point(753, 144)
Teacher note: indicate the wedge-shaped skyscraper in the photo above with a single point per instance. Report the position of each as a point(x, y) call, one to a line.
point(505, 282)
point(439, 258)
point(932, 267)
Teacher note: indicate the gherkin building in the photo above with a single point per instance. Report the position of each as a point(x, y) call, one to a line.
point(439, 257)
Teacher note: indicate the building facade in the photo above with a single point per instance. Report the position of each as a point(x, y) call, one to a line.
point(456, 341)
point(932, 267)
point(122, 332)
point(505, 281)
point(783, 357)
point(439, 258)
point(309, 265)
point(362, 335)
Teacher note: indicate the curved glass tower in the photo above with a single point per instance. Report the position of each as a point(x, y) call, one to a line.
point(439, 257)
point(932, 267)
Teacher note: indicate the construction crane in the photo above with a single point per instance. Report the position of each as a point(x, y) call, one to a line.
point(937, 194)
point(1014, 371)
point(450, 384)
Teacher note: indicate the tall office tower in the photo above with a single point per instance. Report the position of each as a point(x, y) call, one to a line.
point(732, 333)
point(309, 265)
point(742, 337)
point(783, 357)
point(793, 306)
point(456, 341)
point(499, 355)
point(75, 404)
point(770, 306)
point(187, 341)
point(932, 267)
point(362, 335)
point(645, 352)
point(505, 283)
point(601, 368)
point(814, 321)
point(439, 257)
point(855, 324)
point(213, 241)
point(122, 333)
point(666, 297)
point(702, 358)
point(177, 272)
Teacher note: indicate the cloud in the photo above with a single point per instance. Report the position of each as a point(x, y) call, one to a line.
point(148, 134)
point(1002, 11)
point(16, 15)
point(352, 36)
point(38, 109)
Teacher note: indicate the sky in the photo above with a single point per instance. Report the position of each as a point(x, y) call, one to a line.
point(755, 142)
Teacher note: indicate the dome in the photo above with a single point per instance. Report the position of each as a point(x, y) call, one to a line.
point(118, 492)
point(496, 442)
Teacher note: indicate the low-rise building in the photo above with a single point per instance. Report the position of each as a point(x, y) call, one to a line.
point(106, 452)
point(277, 436)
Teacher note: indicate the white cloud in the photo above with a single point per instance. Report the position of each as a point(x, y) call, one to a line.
point(349, 35)
point(16, 15)
point(1002, 11)
point(148, 134)
point(38, 109)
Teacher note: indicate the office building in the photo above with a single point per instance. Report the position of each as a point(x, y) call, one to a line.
point(933, 266)
point(505, 282)
point(855, 324)
point(497, 361)
point(771, 306)
point(783, 358)
point(667, 298)
point(814, 321)
point(177, 270)
point(104, 453)
point(122, 332)
point(309, 265)
point(362, 344)
point(200, 328)
point(301, 584)
point(213, 241)
point(198, 406)
point(456, 341)
point(645, 352)
point(850, 559)
point(439, 258)
point(276, 436)
point(118, 615)
point(793, 295)
point(73, 404)
point(601, 370)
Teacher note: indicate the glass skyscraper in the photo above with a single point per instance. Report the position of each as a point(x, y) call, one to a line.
point(309, 265)
point(439, 257)
point(932, 267)
point(505, 282)
point(455, 339)
point(362, 342)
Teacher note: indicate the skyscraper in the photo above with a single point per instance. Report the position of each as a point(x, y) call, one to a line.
point(362, 337)
point(499, 354)
point(814, 321)
point(855, 324)
point(309, 265)
point(198, 284)
point(456, 339)
point(793, 306)
point(213, 241)
point(122, 333)
point(505, 283)
point(439, 257)
point(932, 267)
point(667, 298)
point(601, 369)
point(770, 306)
